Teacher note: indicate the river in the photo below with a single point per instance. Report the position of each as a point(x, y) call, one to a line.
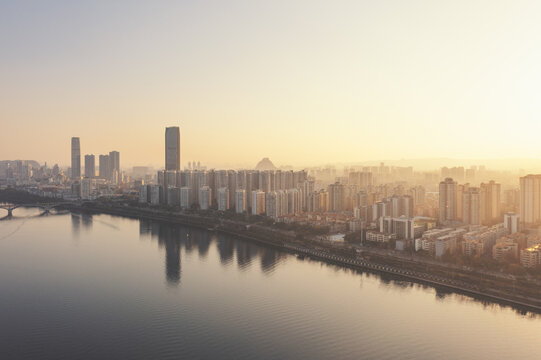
point(98, 287)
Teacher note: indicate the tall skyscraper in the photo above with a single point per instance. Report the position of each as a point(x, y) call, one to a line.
point(90, 166)
point(75, 158)
point(172, 148)
point(448, 201)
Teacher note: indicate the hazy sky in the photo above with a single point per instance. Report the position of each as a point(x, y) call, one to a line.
point(301, 82)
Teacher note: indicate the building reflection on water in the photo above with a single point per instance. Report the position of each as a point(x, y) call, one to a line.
point(174, 237)
point(225, 248)
point(75, 225)
point(169, 237)
point(86, 220)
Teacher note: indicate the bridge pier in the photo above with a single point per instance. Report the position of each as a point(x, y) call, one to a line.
point(10, 212)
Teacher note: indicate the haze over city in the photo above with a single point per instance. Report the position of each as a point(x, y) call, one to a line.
point(319, 82)
point(298, 179)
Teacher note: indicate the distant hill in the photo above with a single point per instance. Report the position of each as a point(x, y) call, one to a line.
point(265, 164)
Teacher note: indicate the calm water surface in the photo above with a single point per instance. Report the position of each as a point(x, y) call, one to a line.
point(102, 287)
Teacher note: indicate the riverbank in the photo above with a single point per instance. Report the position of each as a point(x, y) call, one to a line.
point(517, 293)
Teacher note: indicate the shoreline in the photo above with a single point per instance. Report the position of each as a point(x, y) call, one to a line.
point(464, 285)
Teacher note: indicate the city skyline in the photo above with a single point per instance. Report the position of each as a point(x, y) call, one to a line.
point(447, 80)
point(520, 165)
point(109, 167)
point(278, 179)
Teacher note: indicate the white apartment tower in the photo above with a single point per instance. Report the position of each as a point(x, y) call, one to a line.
point(205, 198)
point(223, 199)
point(511, 222)
point(240, 201)
point(258, 202)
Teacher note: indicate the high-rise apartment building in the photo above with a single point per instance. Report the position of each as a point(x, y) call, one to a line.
point(530, 200)
point(75, 158)
point(293, 201)
point(448, 201)
point(185, 197)
point(271, 206)
point(281, 203)
point(258, 202)
point(461, 189)
point(104, 167)
point(336, 197)
point(223, 199)
point(172, 148)
point(402, 205)
point(240, 201)
point(511, 222)
point(90, 166)
point(490, 203)
point(471, 206)
point(308, 187)
point(205, 198)
point(114, 166)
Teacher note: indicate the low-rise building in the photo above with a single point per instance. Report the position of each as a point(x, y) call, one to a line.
point(487, 236)
point(377, 236)
point(505, 248)
point(427, 241)
point(448, 243)
point(472, 247)
point(531, 257)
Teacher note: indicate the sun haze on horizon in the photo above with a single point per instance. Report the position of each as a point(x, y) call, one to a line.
point(300, 82)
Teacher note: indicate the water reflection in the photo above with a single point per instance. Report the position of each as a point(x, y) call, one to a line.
point(173, 237)
point(172, 257)
point(75, 224)
point(245, 252)
point(86, 220)
point(269, 259)
point(225, 248)
point(203, 241)
point(169, 237)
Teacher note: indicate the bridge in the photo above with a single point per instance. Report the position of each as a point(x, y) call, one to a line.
point(45, 207)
